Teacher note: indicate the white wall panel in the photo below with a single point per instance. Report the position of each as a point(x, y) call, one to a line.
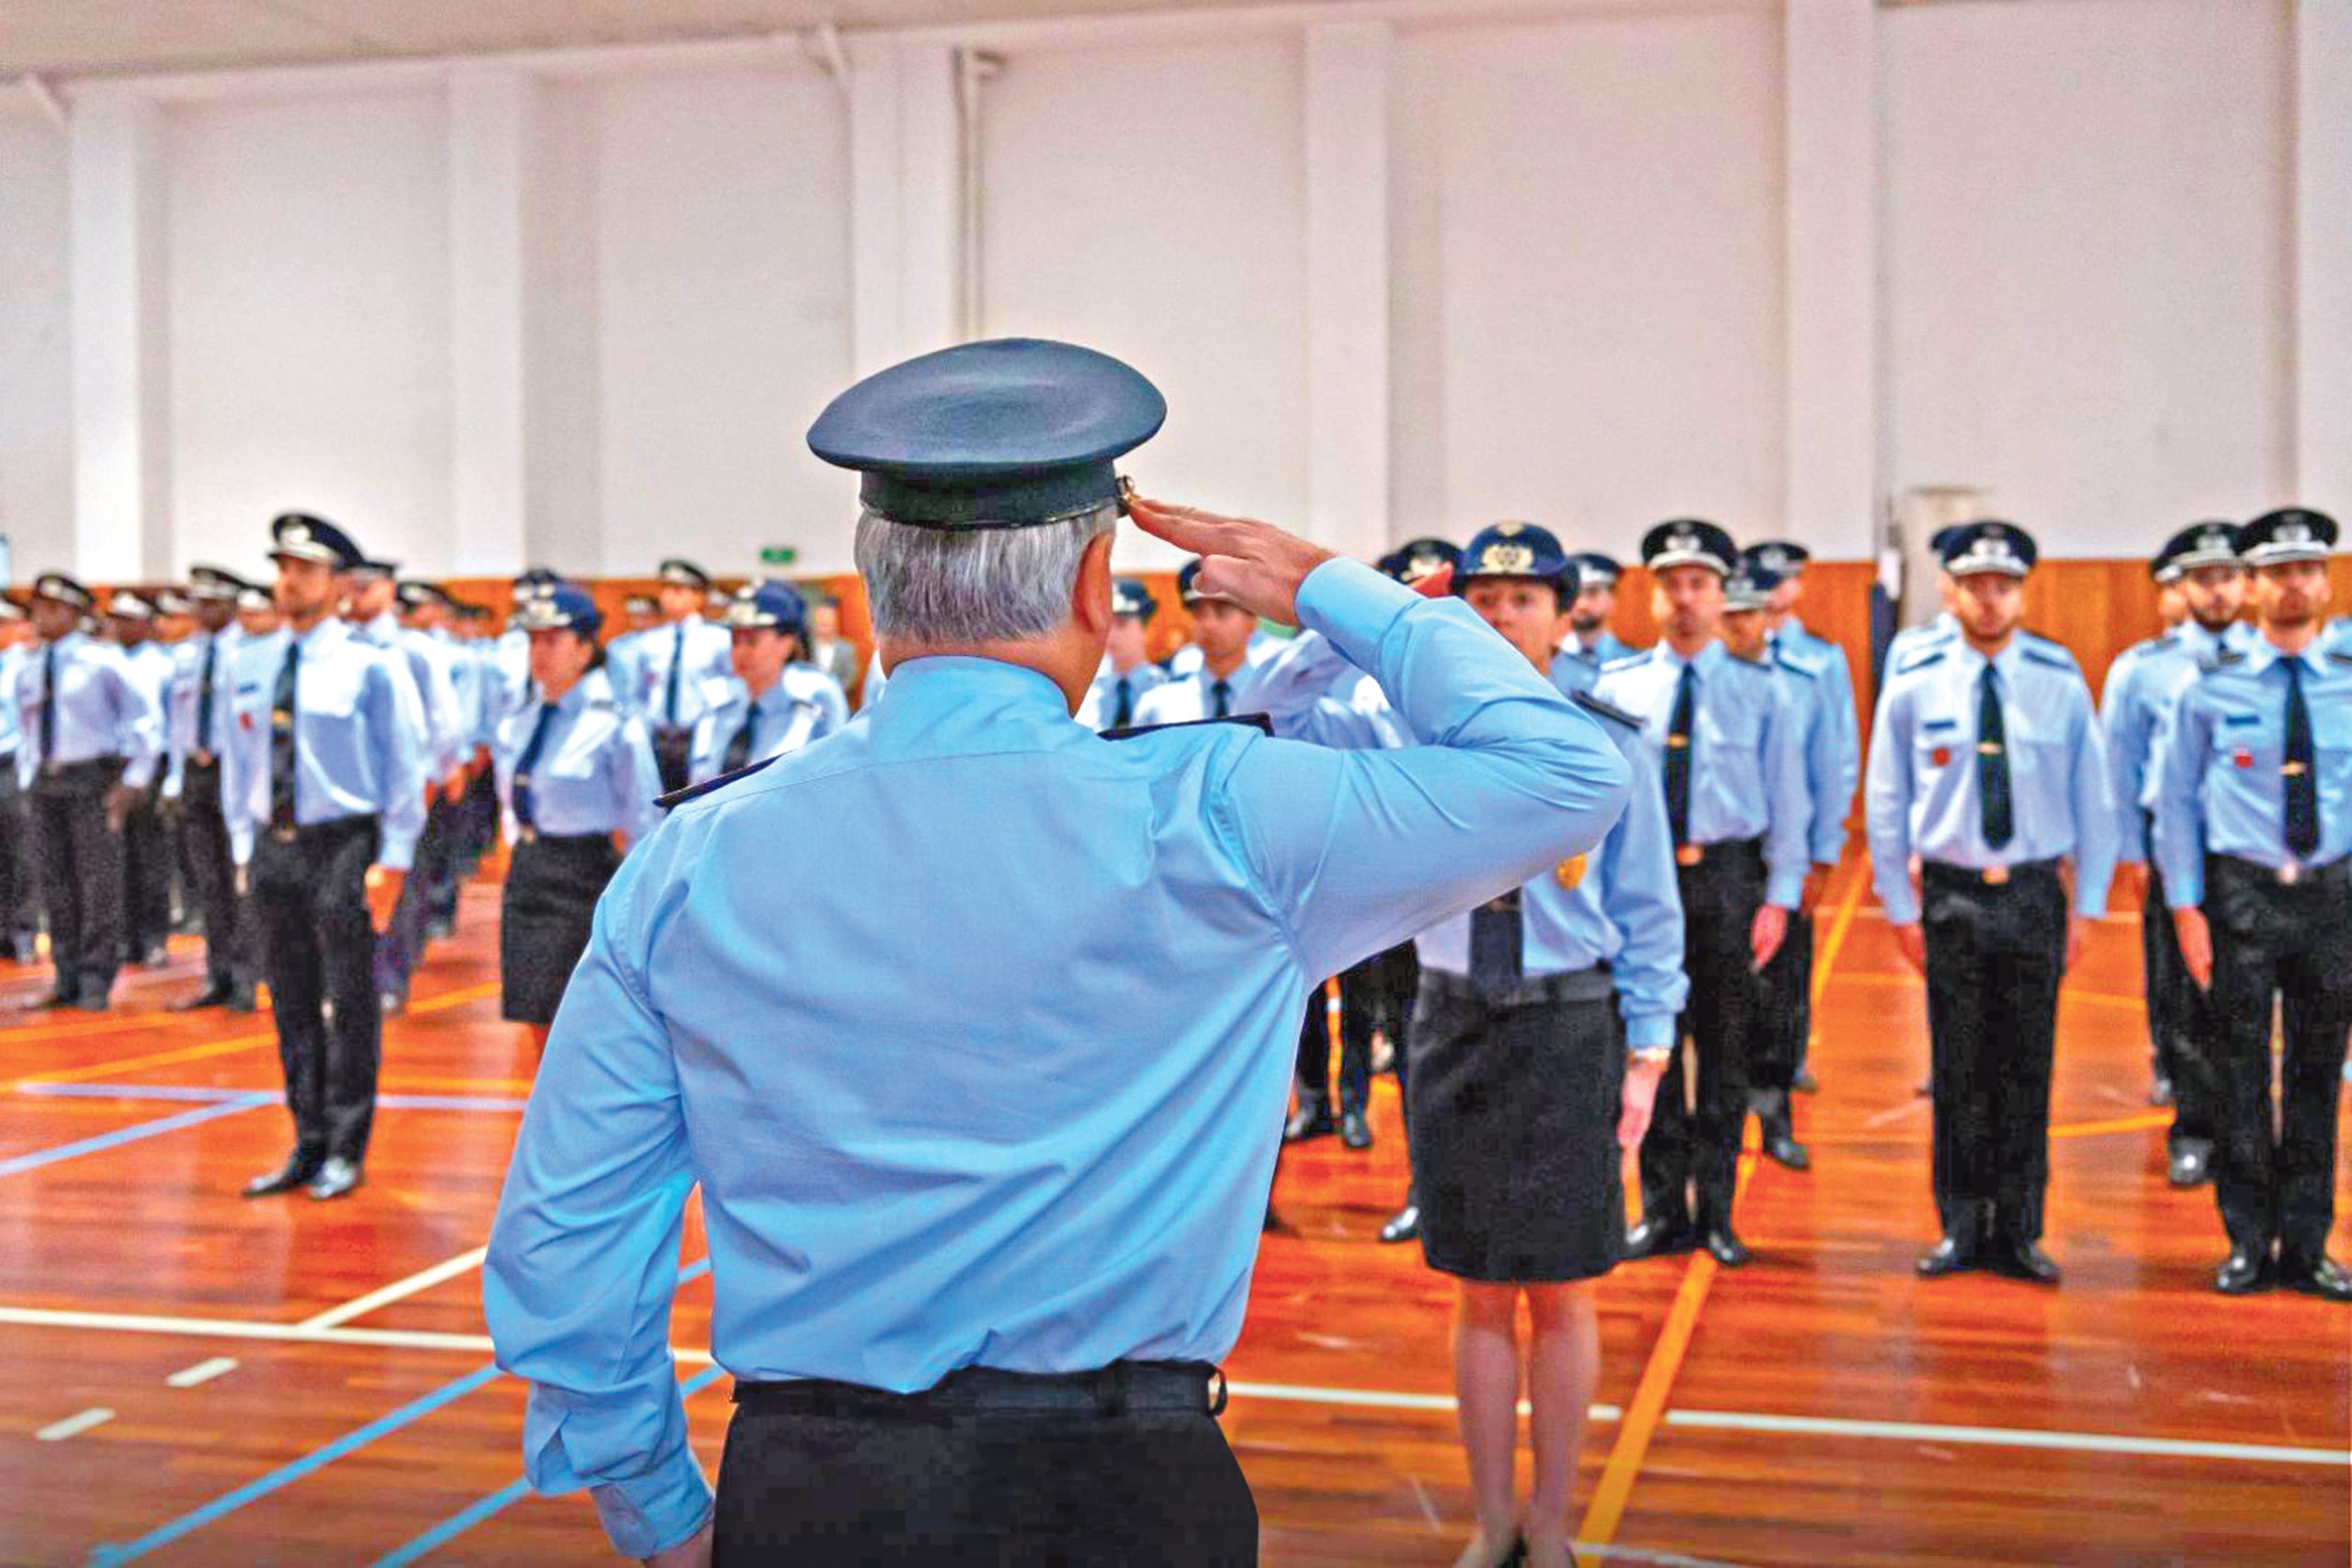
point(36, 346)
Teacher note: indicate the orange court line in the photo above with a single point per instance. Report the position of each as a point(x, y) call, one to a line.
point(1641, 1418)
point(2140, 1123)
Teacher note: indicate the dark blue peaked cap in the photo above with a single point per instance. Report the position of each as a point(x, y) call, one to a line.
point(1988, 546)
point(1517, 550)
point(1417, 559)
point(566, 606)
point(1006, 433)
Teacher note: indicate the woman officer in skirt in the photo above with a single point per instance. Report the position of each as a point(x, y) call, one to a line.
point(1523, 1098)
point(577, 782)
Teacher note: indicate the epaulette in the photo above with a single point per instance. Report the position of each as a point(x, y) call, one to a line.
point(1257, 721)
point(1751, 663)
point(1605, 709)
point(2035, 639)
point(678, 797)
point(2044, 656)
point(1920, 661)
point(1625, 661)
point(2336, 656)
point(2226, 658)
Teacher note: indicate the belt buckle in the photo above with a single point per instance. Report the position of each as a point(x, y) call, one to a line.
point(527, 835)
point(2289, 874)
point(1997, 876)
point(1689, 854)
point(285, 835)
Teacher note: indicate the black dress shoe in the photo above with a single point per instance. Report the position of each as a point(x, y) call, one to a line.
point(92, 1001)
point(336, 1179)
point(2244, 1272)
point(2020, 1259)
point(1780, 1133)
point(213, 996)
point(1356, 1131)
point(1725, 1248)
point(1660, 1235)
point(2191, 1164)
point(1309, 1121)
point(1950, 1255)
point(1405, 1225)
point(2322, 1277)
point(241, 997)
point(298, 1171)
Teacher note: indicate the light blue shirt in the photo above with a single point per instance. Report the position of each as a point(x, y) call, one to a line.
point(1187, 699)
point(2142, 685)
point(359, 750)
point(2220, 790)
point(1605, 646)
point(1748, 775)
point(595, 771)
point(1100, 707)
point(805, 705)
point(871, 687)
point(1262, 645)
point(704, 652)
point(1004, 1088)
point(1913, 639)
point(1921, 795)
point(103, 710)
point(12, 669)
point(1573, 672)
point(1827, 661)
point(219, 651)
point(443, 724)
point(1809, 692)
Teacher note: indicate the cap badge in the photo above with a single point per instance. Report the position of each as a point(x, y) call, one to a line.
point(298, 533)
point(1683, 543)
point(2293, 531)
point(1506, 560)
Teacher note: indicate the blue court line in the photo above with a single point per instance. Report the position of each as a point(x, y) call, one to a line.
point(244, 1101)
point(513, 1492)
point(230, 1502)
point(202, 1094)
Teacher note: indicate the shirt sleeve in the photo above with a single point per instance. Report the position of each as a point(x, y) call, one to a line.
point(1642, 901)
point(584, 1253)
point(138, 720)
point(1886, 807)
point(636, 780)
point(2094, 823)
point(2181, 753)
point(395, 725)
point(1846, 727)
point(1828, 768)
point(1356, 851)
point(1790, 806)
point(2123, 724)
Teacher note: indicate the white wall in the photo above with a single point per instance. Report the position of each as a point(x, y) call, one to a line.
point(36, 349)
point(2088, 217)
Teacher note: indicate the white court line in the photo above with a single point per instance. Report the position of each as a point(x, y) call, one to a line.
point(399, 1290)
point(202, 1372)
point(74, 1426)
point(1727, 1420)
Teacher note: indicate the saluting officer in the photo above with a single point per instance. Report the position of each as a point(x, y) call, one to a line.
point(776, 701)
point(1986, 762)
point(1215, 683)
point(322, 782)
point(989, 1219)
point(199, 720)
point(93, 742)
point(664, 672)
point(2254, 820)
point(1784, 1012)
point(1588, 629)
point(577, 781)
point(2143, 685)
point(1731, 765)
point(1127, 670)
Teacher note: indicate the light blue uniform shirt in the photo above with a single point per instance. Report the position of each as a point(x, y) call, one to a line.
point(218, 649)
point(12, 669)
point(2142, 685)
point(511, 657)
point(2220, 790)
point(155, 667)
point(1004, 1089)
point(1808, 690)
point(704, 651)
point(1573, 672)
point(1921, 797)
point(443, 725)
point(1186, 699)
point(1827, 661)
point(1913, 639)
point(805, 705)
point(1747, 754)
point(359, 750)
point(1262, 645)
point(1100, 706)
point(102, 710)
point(595, 771)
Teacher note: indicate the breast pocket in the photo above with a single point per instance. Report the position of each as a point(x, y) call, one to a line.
point(332, 709)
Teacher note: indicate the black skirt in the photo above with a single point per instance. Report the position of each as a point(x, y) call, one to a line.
point(1514, 1135)
point(552, 885)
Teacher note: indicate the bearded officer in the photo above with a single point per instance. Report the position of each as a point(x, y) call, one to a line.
point(1597, 578)
point(980, 1234)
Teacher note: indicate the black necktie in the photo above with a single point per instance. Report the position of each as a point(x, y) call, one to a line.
point(1678, 754)
point(204, 696)
point(677, 660)
point(1223, 693)
point(2300, 779)
point(1124, 714)
point(281, 740)
point(739, 745)
point(1495, 943)
point(49, 703)
point(529, 761)
point(1993, 763)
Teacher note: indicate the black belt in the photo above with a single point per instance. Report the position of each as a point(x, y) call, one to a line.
point(1689, 855)
point(298, 832)
point(1184, 1388)
point(2335, 873)
point(1943, 874)
point(1593, 984)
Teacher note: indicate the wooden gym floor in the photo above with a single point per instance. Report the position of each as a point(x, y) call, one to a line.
point(198, 1379)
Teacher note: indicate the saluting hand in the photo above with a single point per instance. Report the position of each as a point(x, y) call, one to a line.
point(2196, 945)
point(1256, 565)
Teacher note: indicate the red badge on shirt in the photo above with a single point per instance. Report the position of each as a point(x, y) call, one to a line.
point(1940, 756)
point(246, 720)
point(2241, 757)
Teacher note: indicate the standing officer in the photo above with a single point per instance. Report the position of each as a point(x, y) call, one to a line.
point(92, 741)
point(426, 611)
point(322, 782)
point(1732, 767)
point(996, 1261)
point(1589, 631)
point(2254, 820)
point(20, 909)
point(1127, 670)
point(1986, 764)
point(199, 721)
point(775, 701)
point(1215, 683)
point(2143, 685)
point(662, 675)
point(146, 857)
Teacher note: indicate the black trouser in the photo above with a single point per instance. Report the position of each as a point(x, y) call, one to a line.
point(402, 942)
point(826, 1474)
point(671, 755)
point(146, 875)
point(2182, 1025)
point(2275, 1181)
point(477, 830)
point(232, 941)
point(80, 874)
point(1995, 953)
point(311, 891)
point(1699, 1147)
point(19, 897)
point(1784, 1009)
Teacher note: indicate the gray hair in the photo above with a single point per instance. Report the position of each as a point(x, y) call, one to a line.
point(973, 585)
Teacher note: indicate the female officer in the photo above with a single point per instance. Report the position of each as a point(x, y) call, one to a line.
point(777, 703)
point(577, 782)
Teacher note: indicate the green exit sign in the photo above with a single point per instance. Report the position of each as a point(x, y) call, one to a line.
point(778, 555)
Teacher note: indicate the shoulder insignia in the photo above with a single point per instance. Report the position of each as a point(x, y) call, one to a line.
point(2055, 661)
point(1751, 663)
point(1257, 721)
point(2225, 659)
point(1605, 709)
point(2335, 657)
point(1625, 661)
point(2035, 639)
point(1920, 662)
point(678, 797)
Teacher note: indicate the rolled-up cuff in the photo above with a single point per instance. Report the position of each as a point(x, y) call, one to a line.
point(653, 1512)
point(1650, 1033)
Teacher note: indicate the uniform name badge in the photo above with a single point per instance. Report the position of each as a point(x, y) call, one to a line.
point(1570, 871)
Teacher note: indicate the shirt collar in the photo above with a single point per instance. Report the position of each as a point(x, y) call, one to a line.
point(329, 632)
point(2262, 653)
point(2005, 661)
point(950, 680)
point(1706, 661)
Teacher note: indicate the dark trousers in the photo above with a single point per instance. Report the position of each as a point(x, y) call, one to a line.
point(2182, 1025)
point(671, 755)
point(19, 882)
point(1376, 994)
point(80, 874)
point(1014, 1488)
point(1694, 1140)
point(231, 939)
point(311, 896)
point(401, 944)
point(1785, 1010)
point(1995, 954)
point(2275, 1179)
point(146, 876)
point(476, 829)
